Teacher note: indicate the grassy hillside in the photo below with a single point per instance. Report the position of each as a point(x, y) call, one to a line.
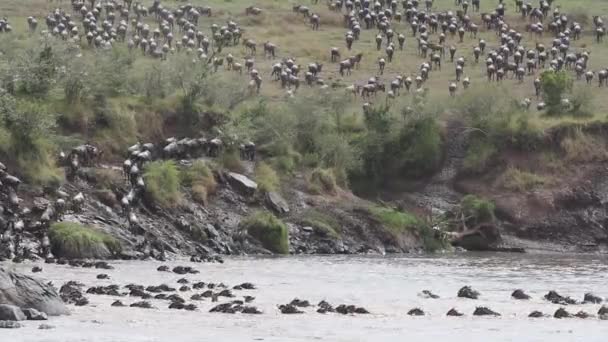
point(117, 97)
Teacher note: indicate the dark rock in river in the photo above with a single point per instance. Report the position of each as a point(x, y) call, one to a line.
point(416, 312)
point(582, 314)
point(562, 313)
point(103, 276)
point(483, 311)
point(428, 294)
point(520, 294)
point(11, 313)
point(536, 314)
point(118, 303)
point(10, 325)
point(556, 298)
point(251, 310)
point(603, 310)
point(300, 303)
point(289, 309)
point(163, 268)
point(36, 269)
point(454, 312)
point(468, 292)
point(26, 292)
point(591, 298)
point(142, 304)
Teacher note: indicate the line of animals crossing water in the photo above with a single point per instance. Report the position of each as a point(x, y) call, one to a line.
point(518, 51)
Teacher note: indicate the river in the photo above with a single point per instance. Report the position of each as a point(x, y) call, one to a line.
point(387, 286)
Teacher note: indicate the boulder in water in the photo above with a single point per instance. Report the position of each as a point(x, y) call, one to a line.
point(520, 294)
point(592, 299)
point(34, 315)
point(454, 312)
point(416, 312)
point(603, 310)
point(26, 292)
point(562, 313)
point(468, 292)
point(11, 313)
point(36, 269)
point(483, 311)
point(536, 314)
point(10, 325)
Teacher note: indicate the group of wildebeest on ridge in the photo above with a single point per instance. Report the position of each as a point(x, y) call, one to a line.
point(438, 36)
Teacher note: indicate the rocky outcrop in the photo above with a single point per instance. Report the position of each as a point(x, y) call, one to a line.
point(277, 203)
point(11, 313)
point(520, 294)
point(242, 183)
point(26, 292)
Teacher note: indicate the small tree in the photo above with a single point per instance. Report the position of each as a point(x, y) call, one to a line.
point(553, 85)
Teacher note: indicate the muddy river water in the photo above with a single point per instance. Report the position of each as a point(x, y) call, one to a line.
point(387, 286)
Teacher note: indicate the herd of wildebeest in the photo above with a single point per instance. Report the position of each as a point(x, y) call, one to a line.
point(517, 51)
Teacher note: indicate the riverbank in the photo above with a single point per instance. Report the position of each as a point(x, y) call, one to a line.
point(388, 290)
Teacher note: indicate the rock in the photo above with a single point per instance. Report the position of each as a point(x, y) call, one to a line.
point(428, 294)
point(46, 327)
point(142, 304)
point(454, 312)
point(190, 307)
point(603, 317)
point(416, 312)
point(248, 299)
point(603, 310)
point(468, 292)
point(26, 292)
point(36, 269)
point(562, 313)
point(582, 314)
point(11, 313)
point(483, 311)
point(251, 310)
point(483, 238)
point(277, 203)
point(103, 265)
point(300, 303)
point(246, 286)
point(289, 309)
point(163, 268)
point(242, 184)
point(556, 298)
point(519, 294)
point(10, 325)
point(536, 314)
point(591, 298)
point(71, 293)
point(35, 315)
point(103, 276)
point(308, 229)
point(199, 285)
point(118, 303)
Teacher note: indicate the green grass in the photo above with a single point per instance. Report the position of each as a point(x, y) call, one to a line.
point(322, 181)
point(163, 183)
point(270, 231)
point(477, 209)
point(267, 178)
point(518, 180)
point(200, 179)
point(323, 225)
point(73, 240)
point(584, 148)
point(478, 157)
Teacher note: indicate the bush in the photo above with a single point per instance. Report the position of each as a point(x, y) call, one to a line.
point(477, 210)
point(398, 222)
point(201, 179)
point(163, 183)
point(75, 241)
point(269, 230)
point(266, 177)
point(323, 224)
point(554, 84)
point(518, 180)
point(323, 181)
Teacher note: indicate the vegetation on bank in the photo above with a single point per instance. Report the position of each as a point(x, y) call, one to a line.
point(270, 231)
point(75, 241)
point(162, 180)
point(199, 177)
point(322, 224)
point(398, 222)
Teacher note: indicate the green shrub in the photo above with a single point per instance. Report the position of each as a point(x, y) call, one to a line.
point(73, 240)
point(478, 157)
point(269, 230)
point(477, 210)
point(323, 225)
point(518, 180)
point(201, 179)
point(398, 222)
point(420, 147)
point(266, 177)
point(323, 181)
point(163, 183)
point(554, 84)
